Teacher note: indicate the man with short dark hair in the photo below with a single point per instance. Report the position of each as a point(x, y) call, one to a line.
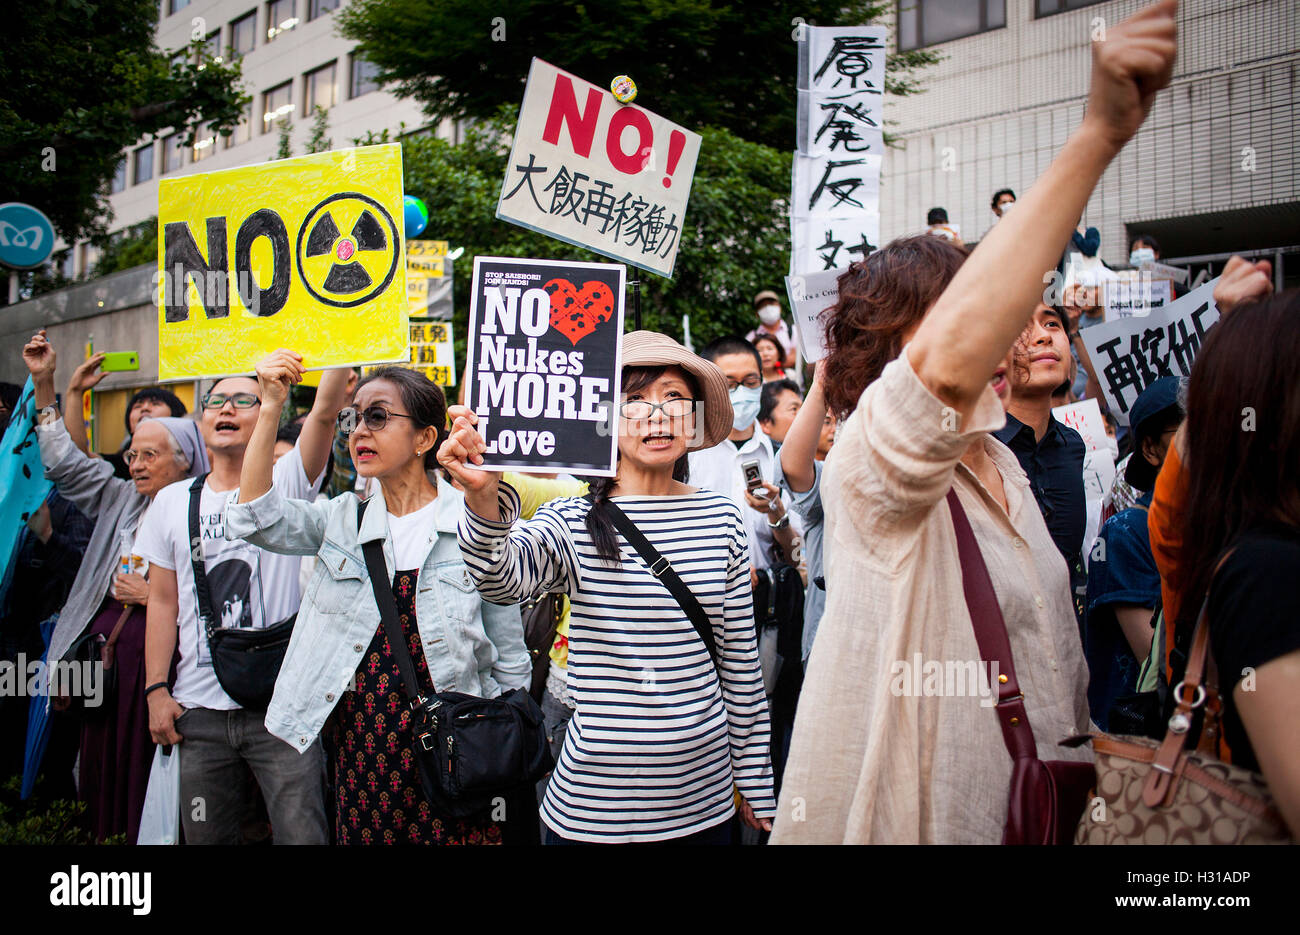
point(249, 587)
point(1050, 453)
point(1003, 199)
point(719, 468)
point(778, 403)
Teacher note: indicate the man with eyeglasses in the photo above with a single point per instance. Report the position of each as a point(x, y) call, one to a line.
point(720, 468)
point(249, 587)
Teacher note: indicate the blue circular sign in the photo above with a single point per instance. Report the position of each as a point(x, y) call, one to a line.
point(26, 236)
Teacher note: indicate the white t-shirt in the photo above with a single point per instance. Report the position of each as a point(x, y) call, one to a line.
point(249, 587)
point(411, 535)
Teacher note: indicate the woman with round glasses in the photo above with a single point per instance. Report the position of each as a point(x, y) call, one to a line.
point(339, 659)
point(108, 597)
point(663, 738)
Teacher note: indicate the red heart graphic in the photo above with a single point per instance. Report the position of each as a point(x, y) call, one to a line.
point(576, 312)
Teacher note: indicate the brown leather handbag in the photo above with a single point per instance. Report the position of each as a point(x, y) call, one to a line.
point(1046, 796)
point(1151, 792)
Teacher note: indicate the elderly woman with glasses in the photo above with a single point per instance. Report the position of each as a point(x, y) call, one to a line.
point(339, 660)
point(107, 601)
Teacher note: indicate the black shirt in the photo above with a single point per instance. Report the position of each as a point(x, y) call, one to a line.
point(1253, 618)
point(1055, 469)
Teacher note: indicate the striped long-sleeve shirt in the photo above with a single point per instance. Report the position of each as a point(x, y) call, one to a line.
point(658, 735)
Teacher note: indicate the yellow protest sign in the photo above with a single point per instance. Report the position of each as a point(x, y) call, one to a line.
point(303, 253)
point(432, 351)
point(425, 257)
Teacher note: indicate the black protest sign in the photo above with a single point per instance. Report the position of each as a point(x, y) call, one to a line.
point(544, 362)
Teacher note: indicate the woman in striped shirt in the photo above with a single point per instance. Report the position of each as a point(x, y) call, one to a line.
point(663, 747)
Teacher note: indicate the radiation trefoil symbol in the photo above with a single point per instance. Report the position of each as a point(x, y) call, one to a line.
point(347, 269)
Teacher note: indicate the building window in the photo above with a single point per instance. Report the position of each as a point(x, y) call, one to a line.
point(64, 262)
point(243, 131)
point(172, 153)
point(211, 49)
point(175, 5)
point(277, 103)
point(279, 18)
point(119, 177)
point(321, 89)
point(142, 169)
point(363, 76)
point(317, 8)
point(1048, 7)
point(243, 33)
point(180, 58)
point(925, 22)
point(205, 143)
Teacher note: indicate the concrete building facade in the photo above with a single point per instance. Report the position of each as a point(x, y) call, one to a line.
point(292, 58)
point(1213, 170)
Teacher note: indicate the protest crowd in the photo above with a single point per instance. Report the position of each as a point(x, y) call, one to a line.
point(748, 630)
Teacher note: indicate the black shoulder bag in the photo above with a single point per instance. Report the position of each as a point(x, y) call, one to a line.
point(468, 749)
point(662, 569)
point(246, 661)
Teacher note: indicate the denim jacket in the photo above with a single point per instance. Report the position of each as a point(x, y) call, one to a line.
point(470, 645)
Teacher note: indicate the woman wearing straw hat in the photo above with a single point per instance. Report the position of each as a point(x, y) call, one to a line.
point(670, 735)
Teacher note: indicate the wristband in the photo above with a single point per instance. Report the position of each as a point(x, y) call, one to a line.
point(155, 685)
point(781, 523)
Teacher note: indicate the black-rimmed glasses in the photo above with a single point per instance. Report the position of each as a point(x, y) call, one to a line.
point(638, 410)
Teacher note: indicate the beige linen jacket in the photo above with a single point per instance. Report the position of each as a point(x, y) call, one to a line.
point(880, 756)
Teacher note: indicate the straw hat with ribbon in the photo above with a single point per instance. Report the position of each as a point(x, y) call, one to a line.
point(714, 417)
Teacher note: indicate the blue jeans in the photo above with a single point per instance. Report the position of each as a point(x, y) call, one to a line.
point(214, 794)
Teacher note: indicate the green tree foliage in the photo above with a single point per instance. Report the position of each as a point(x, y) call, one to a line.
point(698, 62)
point(735, 242)
point(284, 148)
point(79, 82)
point(44, 821)
point(319, 142)
point(131, 246)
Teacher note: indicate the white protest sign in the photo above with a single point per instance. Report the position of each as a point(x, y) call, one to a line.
point(585, 169)
point(1085, 418)
point(810, 295)
point(1161, 271)
point(1135, 293)
point(835, 184)
point(1130, 354)
point(830, 243)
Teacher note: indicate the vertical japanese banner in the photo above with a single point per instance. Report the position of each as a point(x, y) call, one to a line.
point(1130, 354)
point(433, 351)
point(835, 184)
point(544, 363)
point(613, 178)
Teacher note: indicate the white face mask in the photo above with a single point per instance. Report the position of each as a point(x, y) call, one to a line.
point(744, 407)
point(1141, 255)
point(1006, 206)
point(769, 314)
point(1113, 447)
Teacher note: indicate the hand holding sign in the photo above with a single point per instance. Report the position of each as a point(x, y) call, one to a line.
point(465, 447)
point(276, 375)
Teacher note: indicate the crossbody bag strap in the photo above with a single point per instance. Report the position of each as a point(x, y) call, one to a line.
point(196, 556)
point(110, 645)
point(383, 588)
point(991, 635)
point(662, 569)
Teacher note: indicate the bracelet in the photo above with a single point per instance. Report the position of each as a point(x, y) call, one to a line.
point(781, 523)
point(155, 685)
